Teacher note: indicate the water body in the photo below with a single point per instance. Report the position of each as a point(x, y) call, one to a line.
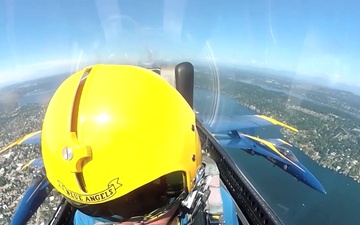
point(280, 90)
point(293, 201)
point(41, 97)
point(40, 90)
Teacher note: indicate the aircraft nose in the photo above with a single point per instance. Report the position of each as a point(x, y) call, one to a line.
point(318, 186)
point(313, 182)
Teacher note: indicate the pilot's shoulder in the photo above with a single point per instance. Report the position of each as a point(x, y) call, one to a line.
point(83, 219)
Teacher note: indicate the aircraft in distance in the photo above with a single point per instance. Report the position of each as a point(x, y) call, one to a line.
point(228, 133)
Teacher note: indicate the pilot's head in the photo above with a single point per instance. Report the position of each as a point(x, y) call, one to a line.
point(120, 143)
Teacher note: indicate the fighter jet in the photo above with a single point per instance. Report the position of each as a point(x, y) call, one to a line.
point(228, 132)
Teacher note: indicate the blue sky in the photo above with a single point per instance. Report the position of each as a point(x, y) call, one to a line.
point(310, 37)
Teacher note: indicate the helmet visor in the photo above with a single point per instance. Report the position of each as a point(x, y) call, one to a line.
point(144, 204)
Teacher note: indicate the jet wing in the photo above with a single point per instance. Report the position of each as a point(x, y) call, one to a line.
point(265, 144)
point(32, 138)
point(272, 147)
point(278, 142)
point(258, 145)
point(226, 124)
point(40, 187)
point(38, 162)
point(33, 197)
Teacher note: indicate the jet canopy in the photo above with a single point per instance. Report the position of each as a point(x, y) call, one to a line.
point(288, 154)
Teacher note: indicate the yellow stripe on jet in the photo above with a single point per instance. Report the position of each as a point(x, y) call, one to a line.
point(274, 121)
point(270, 145)
point(284, 142)
point(19, 141)
point(26, 165)
point(267, 143)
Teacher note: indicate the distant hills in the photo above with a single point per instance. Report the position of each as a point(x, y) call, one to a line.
point(291, 76)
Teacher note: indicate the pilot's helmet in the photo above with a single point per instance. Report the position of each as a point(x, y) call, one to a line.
point(120, 143)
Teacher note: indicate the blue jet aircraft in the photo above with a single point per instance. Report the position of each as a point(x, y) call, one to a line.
point(227, 131)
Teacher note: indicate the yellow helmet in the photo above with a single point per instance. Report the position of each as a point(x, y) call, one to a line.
point(114, 135)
